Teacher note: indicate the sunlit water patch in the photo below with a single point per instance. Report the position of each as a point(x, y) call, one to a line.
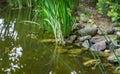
point(8, 30)
point(14, 58)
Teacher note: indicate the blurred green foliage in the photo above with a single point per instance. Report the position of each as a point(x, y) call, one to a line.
point(110, 8)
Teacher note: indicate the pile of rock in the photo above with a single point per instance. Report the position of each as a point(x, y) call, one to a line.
point(94, 37)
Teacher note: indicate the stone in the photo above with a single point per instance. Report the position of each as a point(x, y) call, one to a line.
point(86, 44)
point(112, 57)
point(81, 39)
point(84, 19)
point(71, 39)
point(115, 29)
point(77, 26)
point(96, 39)
point(99, 46)
point(113, 45)
point(109, 30)
point(106, 30)
point(115, 25)
point(107, 51)
point(118, 35)
point(88, 31)
point(118, 38)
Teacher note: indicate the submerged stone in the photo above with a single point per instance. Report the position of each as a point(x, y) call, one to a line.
point(81, 39)
point(71, 39)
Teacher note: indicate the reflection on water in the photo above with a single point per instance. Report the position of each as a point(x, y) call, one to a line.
point(7, 30)
point(14, 58)
point(73, 72)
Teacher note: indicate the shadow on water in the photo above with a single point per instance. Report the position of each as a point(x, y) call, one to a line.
point(27, 49)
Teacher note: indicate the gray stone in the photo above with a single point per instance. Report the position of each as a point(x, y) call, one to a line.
point(71, 39)
point(96, 39)
point(77, 26)
point(118, 38)
point(107, 51)
point(88, 31)
point(106, 30)
point(86, 44)
point(113, 45)
point(115, 29)
point(99, 46)
point(112, 57)
point(115, 25)
point(84, 19)
point(118, 35)
point(81, 39)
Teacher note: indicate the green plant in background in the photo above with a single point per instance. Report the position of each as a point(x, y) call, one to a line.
point(114, 12)
point(110, 8)
point(20, 3)
point(103, 6)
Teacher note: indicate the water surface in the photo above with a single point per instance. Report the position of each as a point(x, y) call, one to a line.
point(27, 49)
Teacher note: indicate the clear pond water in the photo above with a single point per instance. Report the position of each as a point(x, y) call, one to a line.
point(27, 49)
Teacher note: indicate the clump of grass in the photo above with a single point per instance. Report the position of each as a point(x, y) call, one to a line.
point(57, 16)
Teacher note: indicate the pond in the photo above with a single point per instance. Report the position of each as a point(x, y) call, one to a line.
point(27, 49)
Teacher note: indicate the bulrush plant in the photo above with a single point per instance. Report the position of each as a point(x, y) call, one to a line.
point(57, 16)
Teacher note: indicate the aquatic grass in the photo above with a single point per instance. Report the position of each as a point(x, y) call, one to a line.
point(65, 17)
point(29, 3)
point(57, 17)
point(19, 4)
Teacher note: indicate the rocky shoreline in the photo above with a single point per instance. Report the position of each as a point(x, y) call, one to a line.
point(96, 38)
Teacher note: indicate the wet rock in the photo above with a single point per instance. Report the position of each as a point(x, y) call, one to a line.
point(81, 39)
point(109, 30)
point(112, 36)
point(88, 31)
point(113, 45)
point(115, 25)
point(118, 35)
point(106, 30)
point(115, 29)
point(84, 19)
point(86, 44)
point(118, 38)
point(71, 39)
point(112, 57)
point(107, 51)
point(77, 26)
point(96, 39)
point(99, 46)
